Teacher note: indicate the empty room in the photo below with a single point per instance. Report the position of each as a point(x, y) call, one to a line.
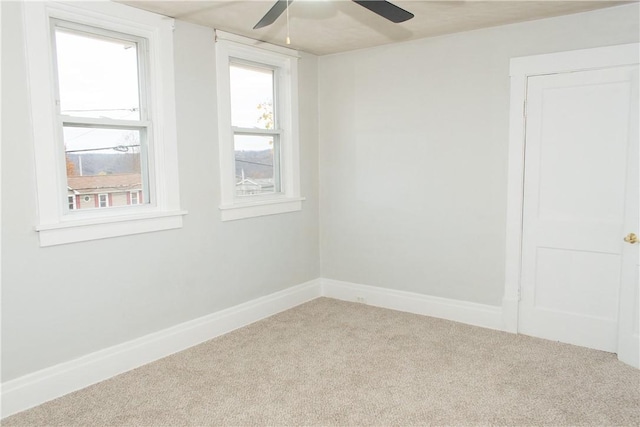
point(330, 212)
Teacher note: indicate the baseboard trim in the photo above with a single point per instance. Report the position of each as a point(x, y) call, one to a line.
point(50, 383)
point(486, 316)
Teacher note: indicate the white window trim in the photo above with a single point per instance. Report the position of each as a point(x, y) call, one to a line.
point(56, 225)
point(73, 201)
point(285, 60)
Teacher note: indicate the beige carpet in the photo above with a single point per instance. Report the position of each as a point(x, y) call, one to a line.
point(336, 363)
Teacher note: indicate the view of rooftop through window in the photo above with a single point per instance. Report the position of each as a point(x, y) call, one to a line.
point(98, 86)
point(256, 146)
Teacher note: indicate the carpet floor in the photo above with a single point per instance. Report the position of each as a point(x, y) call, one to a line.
point(330, 362)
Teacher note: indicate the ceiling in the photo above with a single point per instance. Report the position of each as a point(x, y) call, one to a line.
point(330, 26)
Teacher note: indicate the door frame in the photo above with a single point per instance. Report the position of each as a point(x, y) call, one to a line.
point(521, 69)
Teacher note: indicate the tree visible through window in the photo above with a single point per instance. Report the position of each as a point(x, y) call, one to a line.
point(256, 135)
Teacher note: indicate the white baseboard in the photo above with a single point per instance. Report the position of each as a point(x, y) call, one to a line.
point(50, 383)
point(486, 316)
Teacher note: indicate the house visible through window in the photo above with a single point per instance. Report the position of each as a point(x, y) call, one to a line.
point(102, 99)
point(104, 124)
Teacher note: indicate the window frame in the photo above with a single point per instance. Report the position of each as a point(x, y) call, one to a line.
point(275, 133)
point(143, 125)
point(56, 223)
point(230, 49)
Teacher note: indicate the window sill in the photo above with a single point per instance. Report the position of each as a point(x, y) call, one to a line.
point(256, 208)
point(103, 228)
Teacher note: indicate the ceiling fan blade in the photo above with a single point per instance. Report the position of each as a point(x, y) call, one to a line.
point(385, 9)
point(273, 14)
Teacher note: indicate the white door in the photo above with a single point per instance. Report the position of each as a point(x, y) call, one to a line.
point(580, 200)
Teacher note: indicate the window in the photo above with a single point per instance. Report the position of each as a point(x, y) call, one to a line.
point(256, 131)
point(104, 117)
point(103, 200)
point(258, 128)
point(101, 80)
point(71, 200)
point(134, 198)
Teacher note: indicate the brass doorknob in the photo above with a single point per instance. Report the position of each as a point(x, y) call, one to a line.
point(631, 238)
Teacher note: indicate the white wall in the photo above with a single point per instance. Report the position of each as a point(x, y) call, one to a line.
point(413, 153)
point(62, 302)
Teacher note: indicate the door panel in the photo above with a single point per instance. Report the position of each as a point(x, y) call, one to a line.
point(561, 274)
point(576, 199)
point(577, 129)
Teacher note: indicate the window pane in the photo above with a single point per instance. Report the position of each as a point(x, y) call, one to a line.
point(103, 200)
point(101, 161)
point(97, 76)
point(251, 97)
point(257, 164)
